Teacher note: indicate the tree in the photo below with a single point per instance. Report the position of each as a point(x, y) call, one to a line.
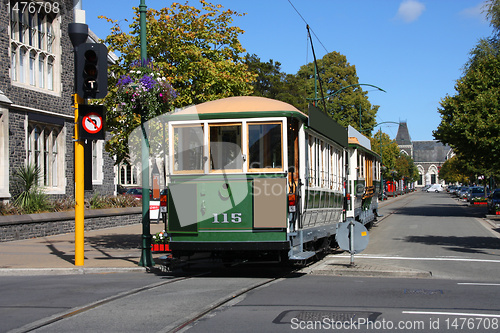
point(196, 50)
point(388, 150)
point(345, 106)
point(470, 121)
point(405, 168)
point(269, 79)
point(454, 171)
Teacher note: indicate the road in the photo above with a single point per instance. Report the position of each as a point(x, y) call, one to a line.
point(429, 232)
point(438, 233)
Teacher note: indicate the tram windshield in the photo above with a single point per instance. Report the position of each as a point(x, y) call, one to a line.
point(189, 148)
point(264, 145)
point(225, 147)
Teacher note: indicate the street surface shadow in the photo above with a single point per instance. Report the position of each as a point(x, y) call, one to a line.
point(119, 241)
point(443, 210)
point(468, 244)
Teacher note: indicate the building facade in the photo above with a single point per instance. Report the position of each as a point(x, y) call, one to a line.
point(428, 156)
point(36, 86)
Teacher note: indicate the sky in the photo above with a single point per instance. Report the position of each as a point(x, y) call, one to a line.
point(415, 50)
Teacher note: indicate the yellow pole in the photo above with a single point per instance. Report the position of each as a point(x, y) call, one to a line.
point(79, 190)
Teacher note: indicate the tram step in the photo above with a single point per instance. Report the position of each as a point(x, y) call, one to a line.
point(302, 255)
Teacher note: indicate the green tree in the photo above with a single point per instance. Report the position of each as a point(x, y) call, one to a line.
point(269, 79)
point(470, 121)
point(389, 152)
point(197, 51)
point(271, 82)
point(345, 106)
point(454, 171)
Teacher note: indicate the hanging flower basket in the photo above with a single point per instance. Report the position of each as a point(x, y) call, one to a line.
point(144, 88)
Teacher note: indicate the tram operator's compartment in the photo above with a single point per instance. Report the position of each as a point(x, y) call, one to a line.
point(239, 175)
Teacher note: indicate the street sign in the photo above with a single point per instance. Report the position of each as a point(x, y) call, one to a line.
point(91, 122)
point(359, 240)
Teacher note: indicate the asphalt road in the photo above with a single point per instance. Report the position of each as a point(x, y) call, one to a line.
point(438, 233)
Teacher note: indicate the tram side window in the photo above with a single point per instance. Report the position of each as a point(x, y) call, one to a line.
point(225, 147)
point(188, 150)
point(265, 146)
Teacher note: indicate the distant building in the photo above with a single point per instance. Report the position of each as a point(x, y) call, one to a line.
point(428, 156)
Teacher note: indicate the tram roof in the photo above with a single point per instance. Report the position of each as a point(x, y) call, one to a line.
point(238, 107)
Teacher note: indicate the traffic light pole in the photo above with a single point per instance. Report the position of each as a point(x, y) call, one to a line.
point(79, 189)
point(146, 257)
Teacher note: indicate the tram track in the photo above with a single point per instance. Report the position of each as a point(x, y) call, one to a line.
point(82, 309)
point(173, 325)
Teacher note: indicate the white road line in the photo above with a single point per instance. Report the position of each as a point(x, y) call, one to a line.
point(464, 314)
point(421, 259)
point(479, 284)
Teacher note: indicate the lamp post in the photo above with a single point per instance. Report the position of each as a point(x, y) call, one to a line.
point(146, 257)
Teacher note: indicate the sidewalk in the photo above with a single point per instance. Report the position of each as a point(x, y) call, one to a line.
point(106, 250)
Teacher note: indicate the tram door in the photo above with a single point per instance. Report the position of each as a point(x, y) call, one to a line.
point(293, 155)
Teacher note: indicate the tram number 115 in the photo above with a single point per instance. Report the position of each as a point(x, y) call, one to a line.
point(224, 218)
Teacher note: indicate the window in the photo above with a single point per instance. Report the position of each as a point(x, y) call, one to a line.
point(265, 146)
point(188, 150)
point(128, 174)
point(43, 151)
point(225, 147)
point(34, 44)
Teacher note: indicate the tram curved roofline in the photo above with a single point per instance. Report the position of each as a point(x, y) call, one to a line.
point(239, 107)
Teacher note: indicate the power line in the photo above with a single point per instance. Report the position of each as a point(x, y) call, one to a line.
point(307, 24)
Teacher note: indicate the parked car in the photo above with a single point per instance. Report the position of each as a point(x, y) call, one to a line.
point(452, 188)
point(435, 188)
point(475, 192)
point(425, 188)
point(136, 192)
point(462, 194)
point(494, 202)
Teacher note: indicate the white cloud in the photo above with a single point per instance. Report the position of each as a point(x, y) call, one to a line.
point(410, 10)
point(476, 12)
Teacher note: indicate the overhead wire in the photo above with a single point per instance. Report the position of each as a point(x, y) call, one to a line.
point(307, 24)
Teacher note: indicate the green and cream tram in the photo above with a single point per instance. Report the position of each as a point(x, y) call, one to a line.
point(254, 178)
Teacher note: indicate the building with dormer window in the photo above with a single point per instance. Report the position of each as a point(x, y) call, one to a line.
point(428, 156)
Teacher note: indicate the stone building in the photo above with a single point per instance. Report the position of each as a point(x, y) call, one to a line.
point(428, 156)
point(36, 113)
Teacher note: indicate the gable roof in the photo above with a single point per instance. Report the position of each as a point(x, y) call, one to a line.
point(430, 151)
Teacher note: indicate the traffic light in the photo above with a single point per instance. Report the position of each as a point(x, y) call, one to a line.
point(91, 70)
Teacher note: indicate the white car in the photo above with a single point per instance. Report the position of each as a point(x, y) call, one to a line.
point(435, 188)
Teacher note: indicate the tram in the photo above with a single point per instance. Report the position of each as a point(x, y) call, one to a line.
point(257, 179)
point(364, 179)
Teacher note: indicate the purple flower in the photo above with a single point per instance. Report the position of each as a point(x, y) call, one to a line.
point(124, 80)
point(148, 82)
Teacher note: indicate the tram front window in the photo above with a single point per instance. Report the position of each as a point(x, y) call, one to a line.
point(265, 146)
point(188, 148)
point(225, 147)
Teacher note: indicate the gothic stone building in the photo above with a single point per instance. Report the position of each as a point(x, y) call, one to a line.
point(428, 156)
point(36, 114)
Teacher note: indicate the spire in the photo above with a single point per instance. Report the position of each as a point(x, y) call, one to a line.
point(403, 136)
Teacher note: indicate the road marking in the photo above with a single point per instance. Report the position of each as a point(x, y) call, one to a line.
point(421, 259)
point(453, 314)
point(479, 284)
